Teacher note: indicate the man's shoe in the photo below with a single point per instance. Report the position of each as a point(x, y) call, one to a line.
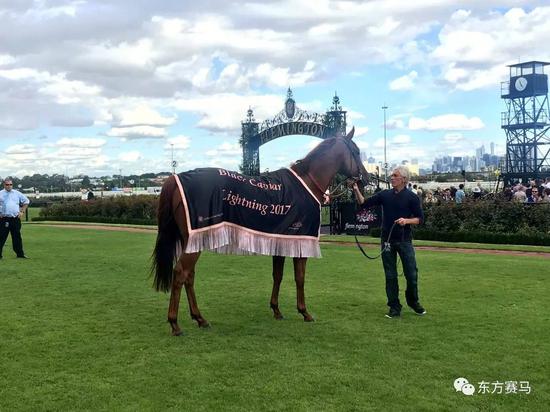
point(22, 257)
point(393, 313)
point(418, 309)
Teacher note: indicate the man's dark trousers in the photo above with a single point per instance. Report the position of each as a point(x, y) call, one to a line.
point(389, 260)
point(11, 225)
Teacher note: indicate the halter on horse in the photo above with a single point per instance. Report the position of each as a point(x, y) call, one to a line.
point(174, 270)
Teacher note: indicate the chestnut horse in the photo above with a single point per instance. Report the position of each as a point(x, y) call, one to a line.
point(333, 155)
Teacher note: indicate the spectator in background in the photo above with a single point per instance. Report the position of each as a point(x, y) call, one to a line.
point(508, 193)
point(453, 192)
point(540, 186)
point(430, 199)
point(535, 197)
point(420, 193)
point(547, 184)
point(519, 194)
point(446, 195)
point(546, 195)
point(530, 184)
point(477, 191)
point(460, 195)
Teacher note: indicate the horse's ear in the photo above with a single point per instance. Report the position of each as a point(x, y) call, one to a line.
point(349, 136)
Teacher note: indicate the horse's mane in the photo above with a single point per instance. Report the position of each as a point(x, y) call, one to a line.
point(302, 166)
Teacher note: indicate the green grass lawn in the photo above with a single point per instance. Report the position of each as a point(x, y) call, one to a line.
point(81, 329)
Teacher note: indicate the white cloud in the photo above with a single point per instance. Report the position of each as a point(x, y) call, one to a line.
point(395, 123)
point(446, 122)
point(137, 132)
point(361, 131)
point(361, 144)
point(405, 82)
point(179, 142)
point(224, 112)
point(20, 149)
point(81, 142)
point(142, 116)
point(6, 59)
point(132, 156)
point(226, 149)
point(473, 48)
point(385, 28)
point(353, 115)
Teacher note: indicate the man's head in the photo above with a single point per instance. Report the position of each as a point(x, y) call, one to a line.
point(8, 184)
point(399, 177)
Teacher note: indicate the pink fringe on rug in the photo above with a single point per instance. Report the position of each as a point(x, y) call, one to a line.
point(232, 239)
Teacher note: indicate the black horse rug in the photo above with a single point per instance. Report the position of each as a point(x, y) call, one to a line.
point(273, 214)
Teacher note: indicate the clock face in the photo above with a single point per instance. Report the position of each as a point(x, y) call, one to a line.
point(521, 84)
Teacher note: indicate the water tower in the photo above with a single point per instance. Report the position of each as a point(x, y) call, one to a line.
point(525, 122)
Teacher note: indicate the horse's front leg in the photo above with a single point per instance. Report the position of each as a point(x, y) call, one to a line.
point(299, 276)
point(278, 268)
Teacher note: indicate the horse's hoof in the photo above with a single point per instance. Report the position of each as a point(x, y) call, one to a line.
point(309, 319)
point(279, 317)
point(177, 333)
point(205, 325)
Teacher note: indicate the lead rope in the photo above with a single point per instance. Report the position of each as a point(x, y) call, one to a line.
point(386, 248)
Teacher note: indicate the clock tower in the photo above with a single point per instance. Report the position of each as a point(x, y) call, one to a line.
point(526, 122)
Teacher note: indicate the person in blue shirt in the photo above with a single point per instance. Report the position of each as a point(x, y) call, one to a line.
point(400, 209)
point(460, 195)
point(12, 207)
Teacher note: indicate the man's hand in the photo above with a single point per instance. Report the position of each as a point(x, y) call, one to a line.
point(352, 184)
point(402, 221)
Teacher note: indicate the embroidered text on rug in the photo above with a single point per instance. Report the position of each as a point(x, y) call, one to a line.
point(272, 214)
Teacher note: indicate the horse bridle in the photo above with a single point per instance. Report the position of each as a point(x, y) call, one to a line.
point(355, 156)
point(386, 245)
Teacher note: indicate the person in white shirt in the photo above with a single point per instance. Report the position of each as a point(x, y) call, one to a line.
point(13, 205)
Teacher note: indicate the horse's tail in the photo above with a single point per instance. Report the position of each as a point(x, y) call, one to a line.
point(168, 237)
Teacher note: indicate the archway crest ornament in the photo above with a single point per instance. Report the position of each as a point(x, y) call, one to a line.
point(289, 121)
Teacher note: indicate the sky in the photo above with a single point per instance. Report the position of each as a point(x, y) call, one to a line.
point(106, 87)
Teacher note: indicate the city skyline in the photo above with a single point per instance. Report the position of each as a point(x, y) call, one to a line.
point(126, 90)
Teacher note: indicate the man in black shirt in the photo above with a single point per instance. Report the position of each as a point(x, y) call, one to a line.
point(400, 209)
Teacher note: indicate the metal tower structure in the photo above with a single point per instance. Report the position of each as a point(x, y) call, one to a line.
point(526, 122)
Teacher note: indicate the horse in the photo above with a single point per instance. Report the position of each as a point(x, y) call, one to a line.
point(174, 268)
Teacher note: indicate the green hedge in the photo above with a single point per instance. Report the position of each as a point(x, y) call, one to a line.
point(490, 221)
point(95, 219)
point(122, 209)
point(490, 216)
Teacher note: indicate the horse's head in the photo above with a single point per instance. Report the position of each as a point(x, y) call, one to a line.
point(352, 166)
